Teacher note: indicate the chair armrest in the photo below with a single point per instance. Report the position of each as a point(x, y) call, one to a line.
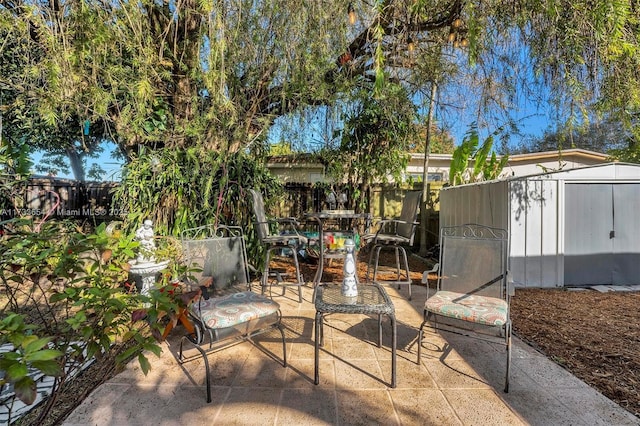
point(280, 222)
point(425, 276)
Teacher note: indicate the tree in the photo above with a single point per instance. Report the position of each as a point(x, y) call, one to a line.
point(218, 73)
point(375, 139)
point(190, 73)
point(441, 141)
point(607, 136)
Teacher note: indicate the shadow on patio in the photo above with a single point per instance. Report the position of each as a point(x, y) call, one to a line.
point(459, 381)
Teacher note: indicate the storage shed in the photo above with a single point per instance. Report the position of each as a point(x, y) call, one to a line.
point(576, 227)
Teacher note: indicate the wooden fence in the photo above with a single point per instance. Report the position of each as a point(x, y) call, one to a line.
point(64, 198)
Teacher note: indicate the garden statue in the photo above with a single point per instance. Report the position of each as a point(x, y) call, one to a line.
point(145, 268)
point(145, 236)
point(331, 200)
point(342, 200)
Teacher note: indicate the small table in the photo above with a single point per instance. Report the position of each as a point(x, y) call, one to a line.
point(321, 219)
point(372, 299)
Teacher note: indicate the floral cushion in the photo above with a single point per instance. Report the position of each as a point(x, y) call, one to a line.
point(473, 308)
point(234, 309)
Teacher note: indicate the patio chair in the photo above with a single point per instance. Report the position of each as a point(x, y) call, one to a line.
point(228, 310)
point(473, 290)
point(277, 235)
point(395, 234)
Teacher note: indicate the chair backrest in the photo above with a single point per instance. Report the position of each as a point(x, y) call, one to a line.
point(474, 260)
point(218, 252)
point(261, 224)
point(409, 214)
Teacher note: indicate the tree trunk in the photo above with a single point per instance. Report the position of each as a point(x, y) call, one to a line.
point(77, 167)
point(424, 218)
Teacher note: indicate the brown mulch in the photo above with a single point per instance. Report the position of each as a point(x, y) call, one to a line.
point(595, 336)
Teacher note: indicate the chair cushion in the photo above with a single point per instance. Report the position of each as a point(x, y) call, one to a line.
point(473, 308)
point(391, 239)
point(234, 309)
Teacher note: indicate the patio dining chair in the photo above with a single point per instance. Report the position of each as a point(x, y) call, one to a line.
point(472, 295)
point(277, 235)
point(395, 234)
point(227, 310)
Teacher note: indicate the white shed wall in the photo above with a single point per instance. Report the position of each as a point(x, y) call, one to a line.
point(535, 229)
point(532, 208)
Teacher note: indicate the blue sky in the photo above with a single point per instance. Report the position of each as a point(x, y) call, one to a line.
point(109, 165)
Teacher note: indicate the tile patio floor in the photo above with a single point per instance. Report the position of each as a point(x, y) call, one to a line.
point(458, 382)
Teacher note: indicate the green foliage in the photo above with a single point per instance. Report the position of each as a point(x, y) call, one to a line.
point(375, 140)
point(441, 141)
point(180, 189)
point(29, 351)
point(183, 74)
point(14, 172)
point(184, 188)
point(14, 159)
point(281, 148)
point(231, 67)
point(485, 167)
point(65, 298)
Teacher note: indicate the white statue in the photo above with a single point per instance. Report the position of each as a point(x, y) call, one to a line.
point(145, 236)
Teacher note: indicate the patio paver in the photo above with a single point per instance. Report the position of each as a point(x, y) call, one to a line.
point(458, 381)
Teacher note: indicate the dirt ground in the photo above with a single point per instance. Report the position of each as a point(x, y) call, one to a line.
point(596, 336)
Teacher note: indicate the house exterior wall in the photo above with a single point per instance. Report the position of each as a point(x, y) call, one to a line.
point(303, 173)
point(544, 162)
point(292, 169)
point(518, 164)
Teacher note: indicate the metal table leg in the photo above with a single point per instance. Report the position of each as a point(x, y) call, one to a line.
point(318, 339)
point(393, 350)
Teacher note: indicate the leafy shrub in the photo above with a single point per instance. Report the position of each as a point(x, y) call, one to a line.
point(65, 300)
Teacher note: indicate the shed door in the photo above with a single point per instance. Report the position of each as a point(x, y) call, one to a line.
point(602, 239)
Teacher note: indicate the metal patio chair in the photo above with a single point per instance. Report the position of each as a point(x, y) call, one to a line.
point(395, 234)
point(228, 310)
point(277, 235)
point(473, 290)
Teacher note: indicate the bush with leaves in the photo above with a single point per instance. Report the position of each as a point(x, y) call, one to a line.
point(180, 189)
point(14, 172)
point(484, 168)
point(64, 300)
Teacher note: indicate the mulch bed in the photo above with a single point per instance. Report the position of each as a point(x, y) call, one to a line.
point(596, 336)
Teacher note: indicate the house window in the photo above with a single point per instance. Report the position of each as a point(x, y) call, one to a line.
point(431, 177)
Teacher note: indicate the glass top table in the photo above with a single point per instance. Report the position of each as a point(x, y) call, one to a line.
point(372, 299)
point(323, 219)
